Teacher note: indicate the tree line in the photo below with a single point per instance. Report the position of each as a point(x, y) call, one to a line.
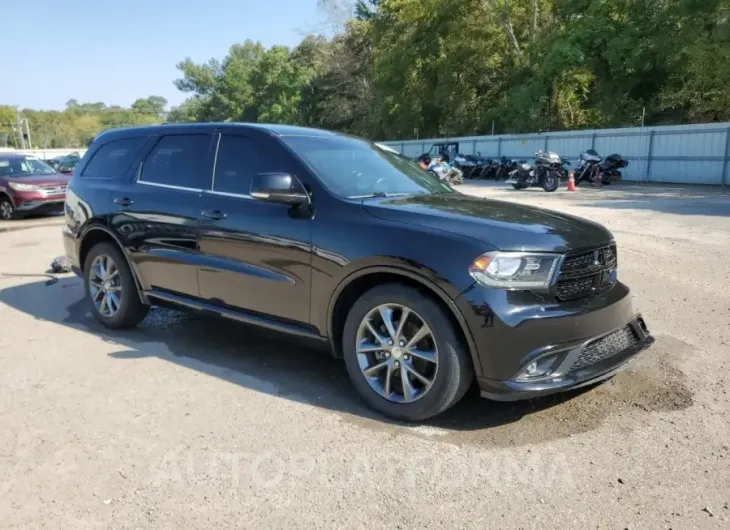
point(78, 124)
point(401, 68)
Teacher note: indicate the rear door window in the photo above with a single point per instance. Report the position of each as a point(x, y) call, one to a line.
point(112, 160)
point(239, 159)
point(179, 160)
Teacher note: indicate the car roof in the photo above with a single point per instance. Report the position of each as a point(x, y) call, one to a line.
point(8, 156)
point(275, 129)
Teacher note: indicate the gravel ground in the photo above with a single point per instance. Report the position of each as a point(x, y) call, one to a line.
point(193, 422)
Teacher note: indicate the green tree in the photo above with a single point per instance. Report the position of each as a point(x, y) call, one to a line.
point(152, 105)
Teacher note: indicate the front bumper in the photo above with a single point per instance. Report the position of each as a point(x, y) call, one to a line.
point(510, 330)
point(572, 372)
point(37, 202)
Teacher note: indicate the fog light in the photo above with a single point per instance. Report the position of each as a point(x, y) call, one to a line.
point(541, 368)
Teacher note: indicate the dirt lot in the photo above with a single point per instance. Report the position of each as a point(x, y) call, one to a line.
point(191, 422)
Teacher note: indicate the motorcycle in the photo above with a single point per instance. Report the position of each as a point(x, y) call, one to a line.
point(609, 168)
point(587, 166)
point(488, 168)
point(442, 169)
point(505, 166)
point(467, 164)
point(564, 170)
point(545, 172)
point(592, 166)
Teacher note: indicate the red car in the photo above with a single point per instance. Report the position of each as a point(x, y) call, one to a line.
point(29, 185)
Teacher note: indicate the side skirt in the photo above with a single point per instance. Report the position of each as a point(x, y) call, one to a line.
point(234, 314)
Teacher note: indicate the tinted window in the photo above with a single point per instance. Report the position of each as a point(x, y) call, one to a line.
point(179, 160)
point(353, 167)
point(23, 166)
point(239, 159)
point(113, 159)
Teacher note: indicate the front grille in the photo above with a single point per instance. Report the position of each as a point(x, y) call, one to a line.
point(586, 272)
point(605, 347)
point(55, 190)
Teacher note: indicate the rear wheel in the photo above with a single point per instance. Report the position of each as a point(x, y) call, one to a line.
point(7, 210)
point(111, 289)
point(403, 354)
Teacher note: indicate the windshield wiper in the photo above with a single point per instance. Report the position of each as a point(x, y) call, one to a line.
point(379, 194)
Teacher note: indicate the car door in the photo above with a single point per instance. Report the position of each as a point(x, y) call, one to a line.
point(256, 255)
point(156, 211)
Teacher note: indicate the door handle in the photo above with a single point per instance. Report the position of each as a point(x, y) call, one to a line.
point(123, 201)
point(216, 215)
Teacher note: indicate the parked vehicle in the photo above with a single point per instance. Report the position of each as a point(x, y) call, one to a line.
point(591, 166)
point(27, 184)
point(507, 166)
point(564, 169)
point(446, 149)
point(467, 164)
point(67, 164)
point(545, 173)
point(486, 168)
point(587, 167)
point(445, 171)
point(610, 168)
point(332, 239)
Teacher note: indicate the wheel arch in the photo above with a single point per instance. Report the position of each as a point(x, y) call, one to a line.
point(97, 234)
point(360, 281)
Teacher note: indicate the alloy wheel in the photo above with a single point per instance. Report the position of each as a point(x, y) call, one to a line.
point(397, 353)
point(6, 210)
point(105, 286)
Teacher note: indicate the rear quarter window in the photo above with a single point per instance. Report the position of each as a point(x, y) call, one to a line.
point(112, 159)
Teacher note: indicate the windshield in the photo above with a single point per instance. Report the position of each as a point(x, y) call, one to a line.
point(354, 168)
point(24, 166)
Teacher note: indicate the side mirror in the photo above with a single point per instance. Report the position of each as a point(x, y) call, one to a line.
point(281, 188)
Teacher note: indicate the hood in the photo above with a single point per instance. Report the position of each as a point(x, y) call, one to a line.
point(503, 225)
point(56, 179)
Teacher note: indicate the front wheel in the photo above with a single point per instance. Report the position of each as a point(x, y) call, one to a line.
point(550, 182)
point(7, 210)
point(403, 355)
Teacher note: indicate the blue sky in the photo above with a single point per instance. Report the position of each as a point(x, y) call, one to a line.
point(118, 50)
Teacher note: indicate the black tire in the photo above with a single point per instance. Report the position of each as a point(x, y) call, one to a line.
point(455, 371)
point(551, 182)
point(519, 186)
point(7, 209)
point(131, 310)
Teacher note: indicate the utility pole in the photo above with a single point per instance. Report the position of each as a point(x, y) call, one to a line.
point(20, 128)
point(27, 129)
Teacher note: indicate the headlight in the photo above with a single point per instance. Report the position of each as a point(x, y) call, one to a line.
point(515, 270)
point(20, 186)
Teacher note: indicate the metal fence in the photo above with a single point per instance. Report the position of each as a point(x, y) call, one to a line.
point(686, 154)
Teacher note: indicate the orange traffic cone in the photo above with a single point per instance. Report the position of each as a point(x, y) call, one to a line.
point(571, 181)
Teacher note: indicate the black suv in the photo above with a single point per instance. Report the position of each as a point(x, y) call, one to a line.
point(345, 242)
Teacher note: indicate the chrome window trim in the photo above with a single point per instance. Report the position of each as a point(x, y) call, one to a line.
point(212, 190)
point(228, 194)
point(169, 186)
point(215, 160)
